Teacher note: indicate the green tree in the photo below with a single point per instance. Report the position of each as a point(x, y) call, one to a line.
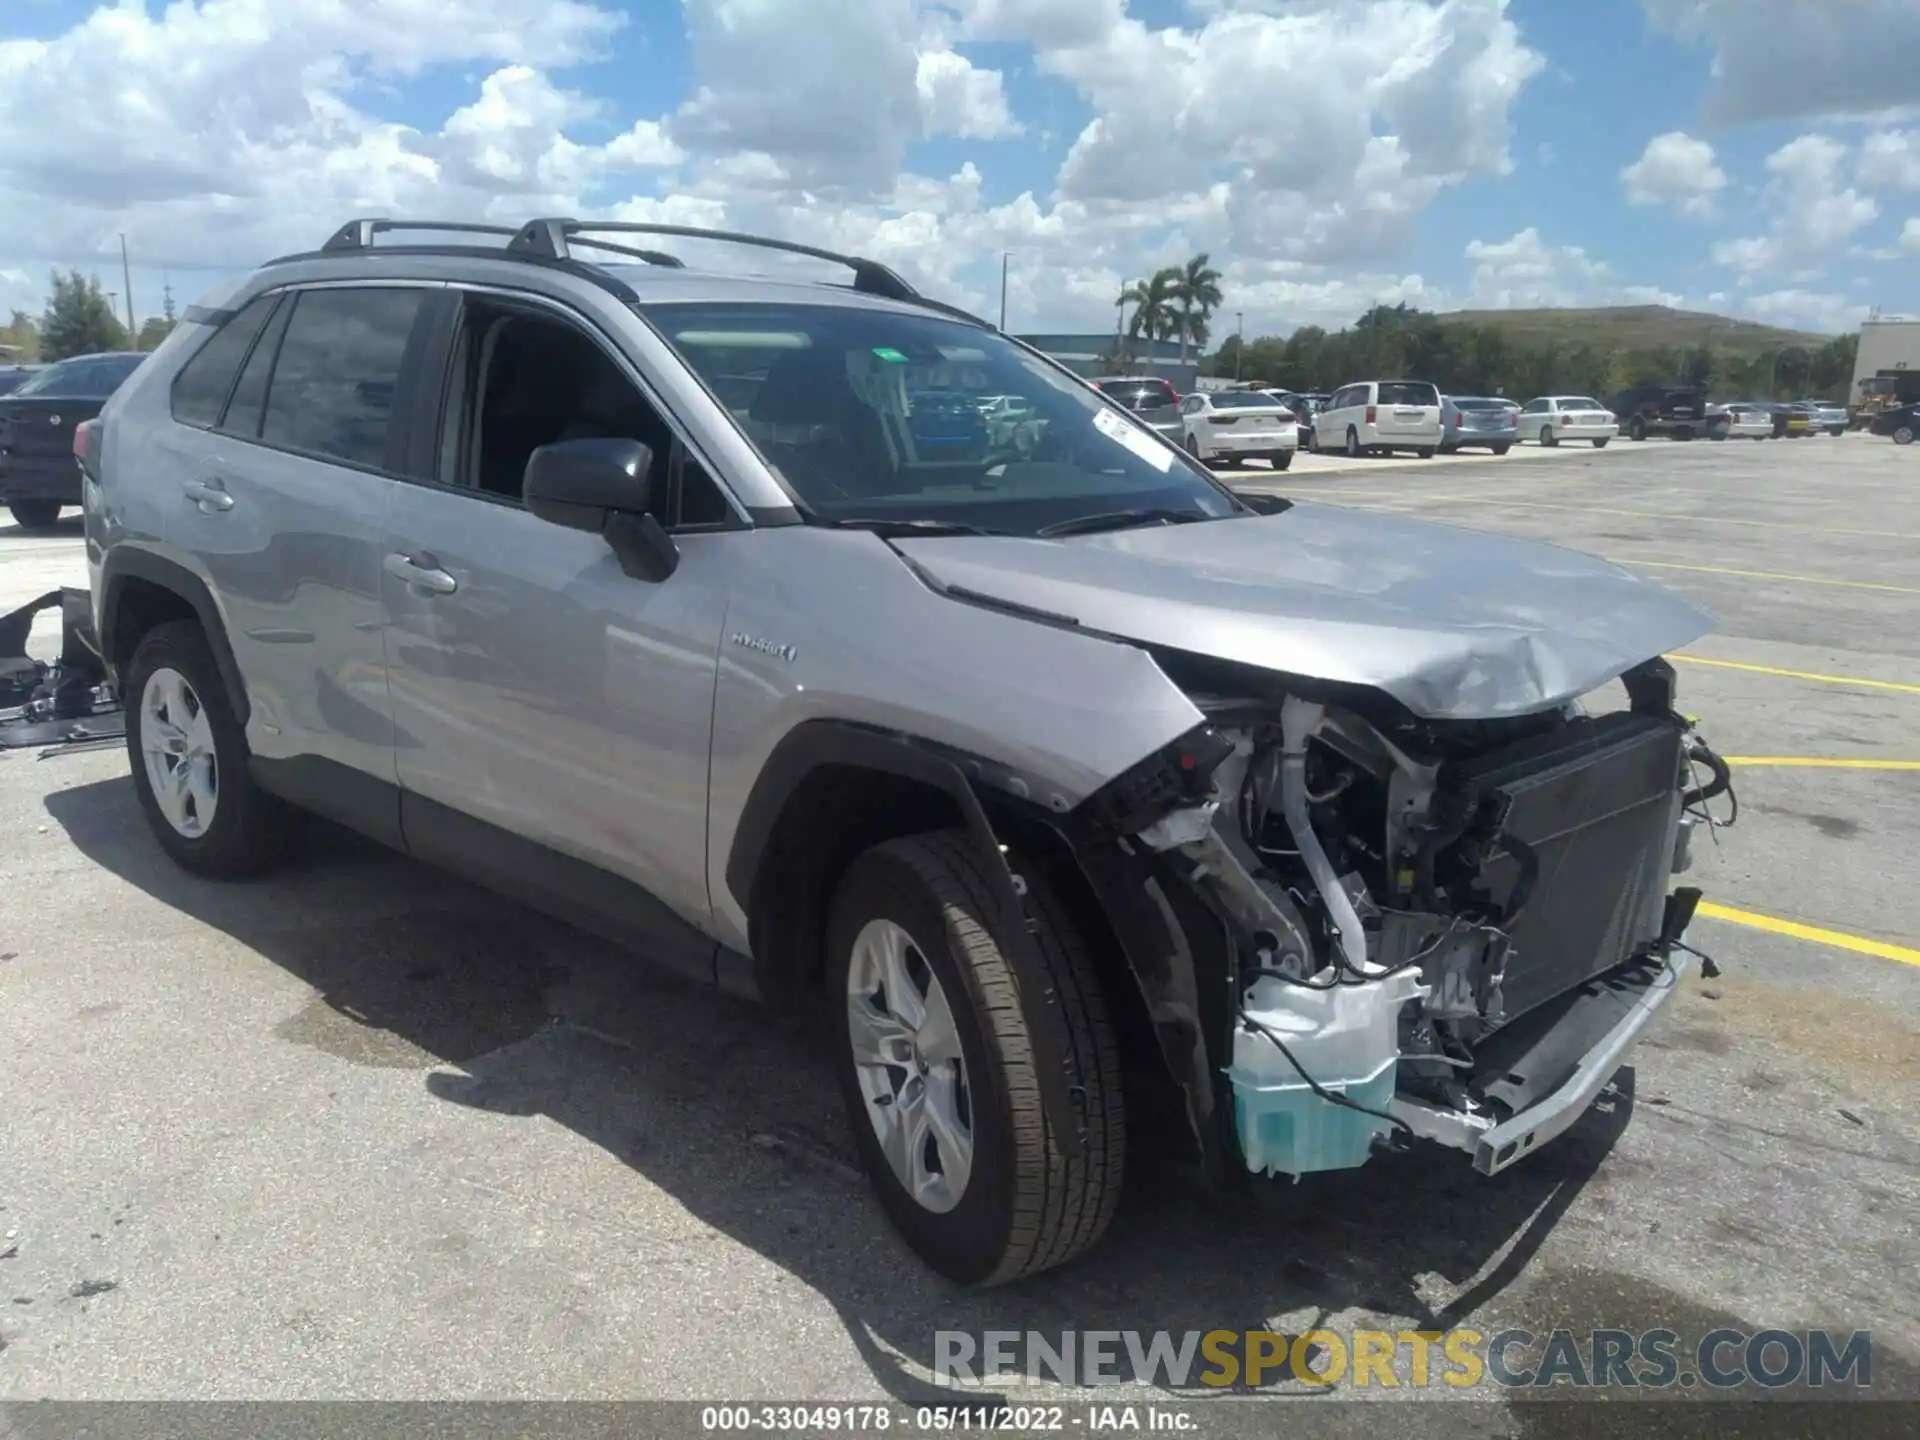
point(155, 329)
point(1197, 295)
point(21, 335)
point(79, 319)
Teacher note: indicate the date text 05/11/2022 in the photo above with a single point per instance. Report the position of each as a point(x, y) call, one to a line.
point(948, 1419)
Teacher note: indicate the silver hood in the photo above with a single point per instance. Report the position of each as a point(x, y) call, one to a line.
point(1453, 623)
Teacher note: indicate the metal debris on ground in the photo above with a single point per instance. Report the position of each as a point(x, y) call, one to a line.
point(63, 705)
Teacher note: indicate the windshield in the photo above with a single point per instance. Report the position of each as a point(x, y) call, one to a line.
point(1581, 402)
point(872, 414)
point(1138, 395)
point(1243, 399)
point(92, 377)
point(1471, 403)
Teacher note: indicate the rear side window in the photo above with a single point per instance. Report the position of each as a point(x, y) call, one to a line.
point(337, 372)
point(243, 411)
point(200, 389)
point(1404, 392)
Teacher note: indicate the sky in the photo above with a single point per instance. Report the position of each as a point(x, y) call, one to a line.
point(1755, 158)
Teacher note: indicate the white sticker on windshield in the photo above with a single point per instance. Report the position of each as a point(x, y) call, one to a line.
point(1145, 446)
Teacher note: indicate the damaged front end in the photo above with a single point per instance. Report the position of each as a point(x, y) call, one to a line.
point(1351, 924)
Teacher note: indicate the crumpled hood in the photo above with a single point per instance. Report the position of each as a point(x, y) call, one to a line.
point(1453, 623)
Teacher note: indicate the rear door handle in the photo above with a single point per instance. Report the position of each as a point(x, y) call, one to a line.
point(421, 574)
point(210, 495)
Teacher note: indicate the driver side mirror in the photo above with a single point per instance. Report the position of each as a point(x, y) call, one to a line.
point(601, 486)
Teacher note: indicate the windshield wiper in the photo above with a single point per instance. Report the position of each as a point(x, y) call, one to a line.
point(1119, 520)
point(884, 525)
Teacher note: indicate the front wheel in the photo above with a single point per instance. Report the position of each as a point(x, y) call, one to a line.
point(1903, 436)
point(35, 514)
point(938, 1065)
point(1425, 452)
point(1547, 438)
point(1193, 448)
point(1836, 431)
point(189, 759)
point(1353, 443)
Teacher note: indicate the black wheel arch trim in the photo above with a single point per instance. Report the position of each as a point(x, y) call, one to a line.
point(816, 743)
point(122, 564)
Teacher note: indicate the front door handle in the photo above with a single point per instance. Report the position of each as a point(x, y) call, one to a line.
point(210, 495)
point(421, 575)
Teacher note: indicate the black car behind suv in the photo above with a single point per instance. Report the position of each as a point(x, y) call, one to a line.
point(37, 421)
point(1677, 411)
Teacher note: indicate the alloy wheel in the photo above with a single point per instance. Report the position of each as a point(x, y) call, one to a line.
point(176, 743)
point(910, 1067)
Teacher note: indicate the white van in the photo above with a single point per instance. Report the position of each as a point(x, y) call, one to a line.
point(1375, 417)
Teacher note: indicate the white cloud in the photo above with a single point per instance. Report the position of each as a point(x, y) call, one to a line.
point(1677, 171)
point(1524, 272)
point(1890, 160)
point(1823, 311)
point(1813, 217)
point(1778, 59)
point(838, 88)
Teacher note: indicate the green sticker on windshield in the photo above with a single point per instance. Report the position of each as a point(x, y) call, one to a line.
point(892, 356)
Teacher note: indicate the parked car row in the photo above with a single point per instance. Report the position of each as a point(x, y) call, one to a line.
point(37, 424)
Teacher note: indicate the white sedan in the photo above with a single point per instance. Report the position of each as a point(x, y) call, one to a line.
point(1549, 419)
point(1239, 424)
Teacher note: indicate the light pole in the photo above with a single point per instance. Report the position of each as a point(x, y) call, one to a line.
point(1239, 341)
point(1003, 289)
point(126, 275)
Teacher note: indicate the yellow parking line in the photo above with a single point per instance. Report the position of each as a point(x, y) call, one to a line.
point(1799, 674)
point(1819, 762)
point(1766, 575)
point(1839, 939)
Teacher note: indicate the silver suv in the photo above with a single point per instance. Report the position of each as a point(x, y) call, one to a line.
point(696, 609)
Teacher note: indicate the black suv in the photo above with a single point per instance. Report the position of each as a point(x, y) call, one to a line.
point(1678, 411)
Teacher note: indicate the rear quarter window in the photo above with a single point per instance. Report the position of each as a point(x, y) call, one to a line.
point(201, 388)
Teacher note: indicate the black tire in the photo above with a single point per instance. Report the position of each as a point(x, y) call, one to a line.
point(1836, 431)
point(1024, 1207)
point(1280, 459)
point(1903, 435)
point(1425, 452)
point(251, 831)
point(1354, 452)
point(1548, 439)
point(35, 514)
point(1601, 443)
point(1636, 429)
point(1193, 448)
point(1501, 449)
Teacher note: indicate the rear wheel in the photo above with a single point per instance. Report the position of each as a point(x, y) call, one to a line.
point(1501, 449)
point(1193, 448)
point(1903, 435)
point(938, 1066)
point(1601, 443)
point(34, 514)
point(1836, 431)
point(1280, 459)
point(1425, 452)
point(1637, 429)
point(189, 759)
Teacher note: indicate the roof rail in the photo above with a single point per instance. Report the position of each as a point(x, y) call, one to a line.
point(548, 238)
point(359, 234)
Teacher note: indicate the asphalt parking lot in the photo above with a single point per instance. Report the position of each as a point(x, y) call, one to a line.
point(362, 1131)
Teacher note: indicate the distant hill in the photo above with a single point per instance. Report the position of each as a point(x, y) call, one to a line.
point(1637, 327)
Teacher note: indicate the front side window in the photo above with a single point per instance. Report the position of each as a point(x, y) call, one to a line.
point(875, 414)
point(337, 371)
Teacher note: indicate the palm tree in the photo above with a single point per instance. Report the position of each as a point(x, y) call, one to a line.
point(1153, 302)
point(1197, 288)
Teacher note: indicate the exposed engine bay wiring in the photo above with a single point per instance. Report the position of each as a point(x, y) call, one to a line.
point(1330, 1096)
